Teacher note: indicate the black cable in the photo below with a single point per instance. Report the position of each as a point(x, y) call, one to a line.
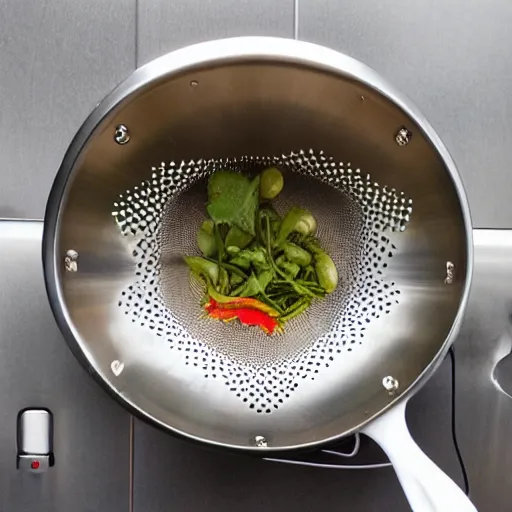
point(454, 430)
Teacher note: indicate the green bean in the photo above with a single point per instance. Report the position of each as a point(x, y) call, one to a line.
point(295, 310)
point(232, 268)
point(299, 289)
point(265, 298)
point(223, 281)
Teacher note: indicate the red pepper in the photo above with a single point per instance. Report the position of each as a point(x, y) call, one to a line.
point(240, 302)
point(247, 316)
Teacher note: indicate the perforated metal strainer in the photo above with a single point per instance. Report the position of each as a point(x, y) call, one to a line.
point(356, 218)
point(390, 209)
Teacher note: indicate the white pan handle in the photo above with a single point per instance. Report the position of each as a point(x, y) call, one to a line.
point(427, 488)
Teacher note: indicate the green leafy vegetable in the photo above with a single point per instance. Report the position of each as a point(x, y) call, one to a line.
point(203, 268)
point(233, 200)
point(247, 257)
point(237, 238)
point(253, 257)
point(206, 239)
point(299, 220)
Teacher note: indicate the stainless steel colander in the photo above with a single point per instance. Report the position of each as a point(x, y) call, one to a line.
point(129, 198)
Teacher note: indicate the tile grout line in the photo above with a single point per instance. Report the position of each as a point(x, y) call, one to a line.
point(296, 19)
point(136, 34)
point(131, 433)
point(131, 468)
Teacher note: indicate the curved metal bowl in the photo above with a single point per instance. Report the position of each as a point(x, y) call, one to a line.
point(257, 96)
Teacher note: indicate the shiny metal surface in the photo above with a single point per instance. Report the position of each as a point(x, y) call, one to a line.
point(167, 470)
point(484, 341)
point(205, 480)
point(91, 438)
point(35, 431)
point(57, 60)
point(284, 80)
point(122, 135)
point(192, 478)
point(164, 26)
point(452, 59)
point(34, 463)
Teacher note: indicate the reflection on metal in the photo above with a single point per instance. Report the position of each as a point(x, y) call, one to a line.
point(403, 137)
point(482, 351)
point(71, 261)
point(483, 423)
point(483, 347)
point(122, 135)
point(117, 367)
point(91, 439)
point(450, 271)
point(502, 372)
point(391, 385)
point(261, 442)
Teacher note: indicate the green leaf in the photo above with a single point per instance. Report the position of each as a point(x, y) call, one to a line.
point(233, 200)
point(247, 257)
point(235, 279)
point(252, 287)
point(237, 238)
point(264, 279)
point(206, 239)
point(256, 284)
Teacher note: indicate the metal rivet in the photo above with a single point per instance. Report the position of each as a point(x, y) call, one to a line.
point(194, 83)
point(261, 442)
point(71, 261)
point(403, 136)
point(450, 272)
point(362, 98)
point(122, 135)
point(390, 384)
